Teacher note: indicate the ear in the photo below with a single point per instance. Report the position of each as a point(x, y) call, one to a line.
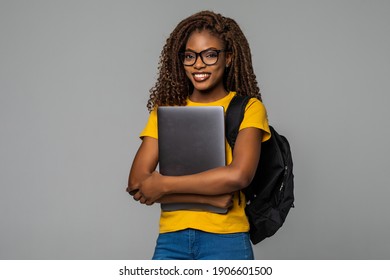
point(228, 58)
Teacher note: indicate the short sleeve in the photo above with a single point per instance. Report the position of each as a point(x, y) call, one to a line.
point(151, 128)
point(256, 116)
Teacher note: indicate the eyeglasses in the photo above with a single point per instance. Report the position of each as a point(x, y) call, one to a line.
point(209, 57)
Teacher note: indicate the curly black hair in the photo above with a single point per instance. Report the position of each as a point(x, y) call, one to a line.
point(173, 87)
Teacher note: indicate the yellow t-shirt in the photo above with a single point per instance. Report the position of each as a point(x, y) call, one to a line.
point(235, 220)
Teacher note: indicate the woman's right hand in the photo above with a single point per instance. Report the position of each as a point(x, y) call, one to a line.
point(221, 201)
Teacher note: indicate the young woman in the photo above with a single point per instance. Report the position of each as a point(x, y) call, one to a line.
point(205, 62)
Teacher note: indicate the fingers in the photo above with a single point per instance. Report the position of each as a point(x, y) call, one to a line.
point(228, 201)
point(149, 203)
point(133, 192)
point(142, 200)
point(137, 196)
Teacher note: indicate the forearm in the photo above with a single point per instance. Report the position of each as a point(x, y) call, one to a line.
point(216, 181)
point(136, 179)
point(144, 163)
point(182, 198)
point(222, 201)
point(226, 179)
point(186, 198)
point(221, 180)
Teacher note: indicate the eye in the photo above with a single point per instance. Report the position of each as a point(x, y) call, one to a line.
point(211, 54)
point(189, 55)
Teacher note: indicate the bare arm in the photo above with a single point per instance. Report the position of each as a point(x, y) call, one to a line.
point(145, 163)
point(220, 201)
point(216, 181)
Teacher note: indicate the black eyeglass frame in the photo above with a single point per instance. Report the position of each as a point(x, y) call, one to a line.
point(199, 54)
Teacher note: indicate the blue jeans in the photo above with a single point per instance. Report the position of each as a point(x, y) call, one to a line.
point(191, 244)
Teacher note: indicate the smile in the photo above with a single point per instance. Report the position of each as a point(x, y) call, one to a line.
point(199, 77)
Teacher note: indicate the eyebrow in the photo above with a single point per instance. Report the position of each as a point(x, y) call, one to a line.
point(208, 49)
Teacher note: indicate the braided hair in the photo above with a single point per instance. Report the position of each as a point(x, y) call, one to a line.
point(173, 87)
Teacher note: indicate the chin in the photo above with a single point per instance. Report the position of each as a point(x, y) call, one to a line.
point(204, 88)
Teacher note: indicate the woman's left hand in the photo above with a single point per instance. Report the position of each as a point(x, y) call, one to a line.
point(150, 189)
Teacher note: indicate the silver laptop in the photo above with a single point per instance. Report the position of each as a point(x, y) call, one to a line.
point(191, 139)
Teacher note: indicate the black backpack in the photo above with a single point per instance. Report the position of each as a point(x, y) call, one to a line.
point(270, 195)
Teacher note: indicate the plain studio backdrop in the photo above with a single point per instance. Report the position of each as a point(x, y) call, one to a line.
point(74, 82)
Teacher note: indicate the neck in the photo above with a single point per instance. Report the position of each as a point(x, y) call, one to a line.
point(207, 96)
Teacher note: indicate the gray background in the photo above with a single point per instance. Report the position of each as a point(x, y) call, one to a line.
point(74, 81)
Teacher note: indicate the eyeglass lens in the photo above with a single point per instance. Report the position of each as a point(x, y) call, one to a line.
point(209, 57)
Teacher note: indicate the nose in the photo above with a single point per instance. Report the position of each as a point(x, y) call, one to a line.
point(199, 62)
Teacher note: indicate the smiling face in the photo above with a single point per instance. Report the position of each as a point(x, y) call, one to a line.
point(206, 79)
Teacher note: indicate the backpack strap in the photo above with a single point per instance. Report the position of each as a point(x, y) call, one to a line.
point(234, 116)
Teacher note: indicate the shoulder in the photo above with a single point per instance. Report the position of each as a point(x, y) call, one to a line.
point(256, 108)
point(256, 116)
point(255, 104)
point(150, 128)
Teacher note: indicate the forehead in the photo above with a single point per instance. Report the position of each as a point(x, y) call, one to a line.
point(203, 39)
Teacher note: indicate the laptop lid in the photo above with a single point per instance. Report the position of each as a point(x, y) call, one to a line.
point(191, 140)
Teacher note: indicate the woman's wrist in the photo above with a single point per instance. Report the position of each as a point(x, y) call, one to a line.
point(166, 185)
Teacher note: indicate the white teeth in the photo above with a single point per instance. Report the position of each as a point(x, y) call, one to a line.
point(201, 76)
